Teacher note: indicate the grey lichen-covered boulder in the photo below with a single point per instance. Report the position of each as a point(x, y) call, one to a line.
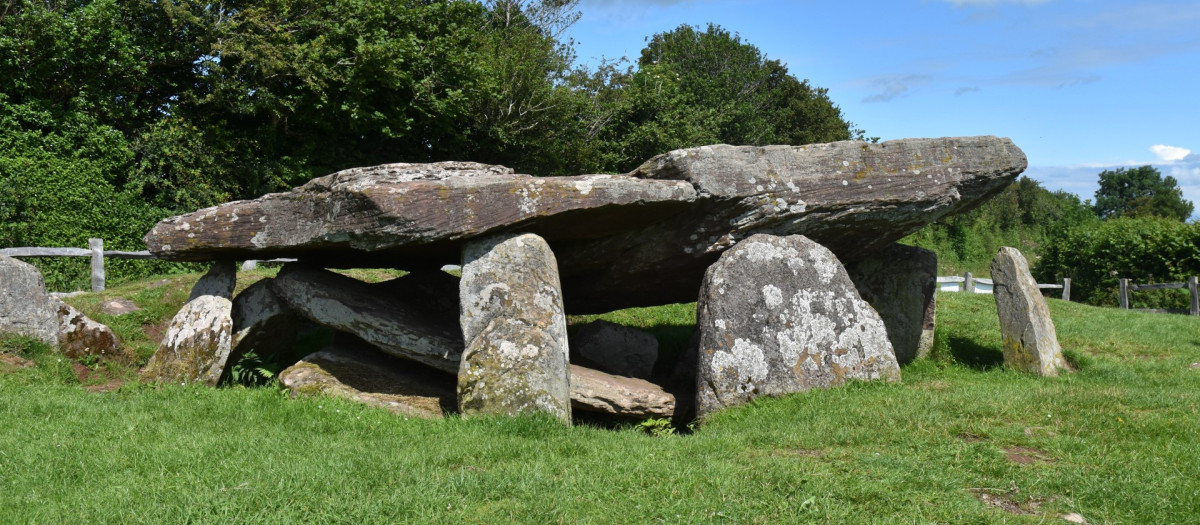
point(900, 283)
point(627, 397)
point(25, 307)
point(778, 315)
point(615, 348)
point(199, 338)
point(639, 239)
point(79, 335)
point(197, 344)
point(516, 355)
point(353, 370)
point(1027, 332)
point(401, 326)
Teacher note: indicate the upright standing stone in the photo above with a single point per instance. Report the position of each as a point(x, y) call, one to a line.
point(199, 337)
point(1026, 329)
point(515, 331)
point(900, 282)
point(778, 315)
point(25, 307)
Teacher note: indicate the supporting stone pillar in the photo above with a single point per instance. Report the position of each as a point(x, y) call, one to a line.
point(778, 315)
point(198, 342)
point(900, 282)
point(516, 355)
point(1030, 343)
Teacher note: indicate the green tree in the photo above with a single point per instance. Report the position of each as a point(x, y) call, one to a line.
point(694, 87)
point(1140, 192)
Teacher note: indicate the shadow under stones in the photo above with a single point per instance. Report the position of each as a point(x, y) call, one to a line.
point(975, 355)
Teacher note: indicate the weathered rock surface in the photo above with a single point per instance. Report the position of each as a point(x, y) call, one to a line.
point(615, 348)
point(900, 283)
point(79, 335)
point(621, 240)
point(262, 322)
point(118, 306)
point(595, 391)
point(1027, 332)
point(355, 371)
point(219, 281)
point(401, 327)
point(25, 307)
point(778, 315)
point(516, 356)
point(197, 345)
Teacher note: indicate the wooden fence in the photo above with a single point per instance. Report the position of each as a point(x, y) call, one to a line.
point(95, 250)
point(971, 284)
point(1124, 287)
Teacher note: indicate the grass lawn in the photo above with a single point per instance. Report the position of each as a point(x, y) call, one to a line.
point(960, 440)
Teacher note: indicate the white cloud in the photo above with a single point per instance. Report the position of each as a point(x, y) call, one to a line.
point(1170, 153)
point(1083, 179)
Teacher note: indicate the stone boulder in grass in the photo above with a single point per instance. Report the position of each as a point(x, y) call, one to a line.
point(27, 309)
point(779, 315)
point(199, 338)
point(1026, 330)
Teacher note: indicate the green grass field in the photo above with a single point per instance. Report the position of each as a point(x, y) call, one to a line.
point(960, 440)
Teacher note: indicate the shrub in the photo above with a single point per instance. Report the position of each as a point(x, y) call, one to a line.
point(1144, 250)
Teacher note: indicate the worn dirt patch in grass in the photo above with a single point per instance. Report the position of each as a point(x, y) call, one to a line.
point(10, 362)
point(1025, 455)
point(1005, 502)
point(798, 452)
point(96, 380)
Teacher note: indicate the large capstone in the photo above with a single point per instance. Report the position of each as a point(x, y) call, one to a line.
point(516, 356)
point(640, 239)
point(1027, 332)
point(25, 307)
point(900, 283)
point(778, 315)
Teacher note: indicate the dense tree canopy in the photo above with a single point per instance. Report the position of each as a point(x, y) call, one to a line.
point(1140, 192)
point(145, 108)
point(694, 87)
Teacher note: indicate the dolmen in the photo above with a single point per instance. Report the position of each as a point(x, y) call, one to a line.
point(789, 251)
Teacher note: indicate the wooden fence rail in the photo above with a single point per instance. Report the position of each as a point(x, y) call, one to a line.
point(1124, 287)
point(95, 250)
point(973, 284)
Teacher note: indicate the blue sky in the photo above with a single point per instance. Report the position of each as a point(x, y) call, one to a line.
point(1079, 85)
